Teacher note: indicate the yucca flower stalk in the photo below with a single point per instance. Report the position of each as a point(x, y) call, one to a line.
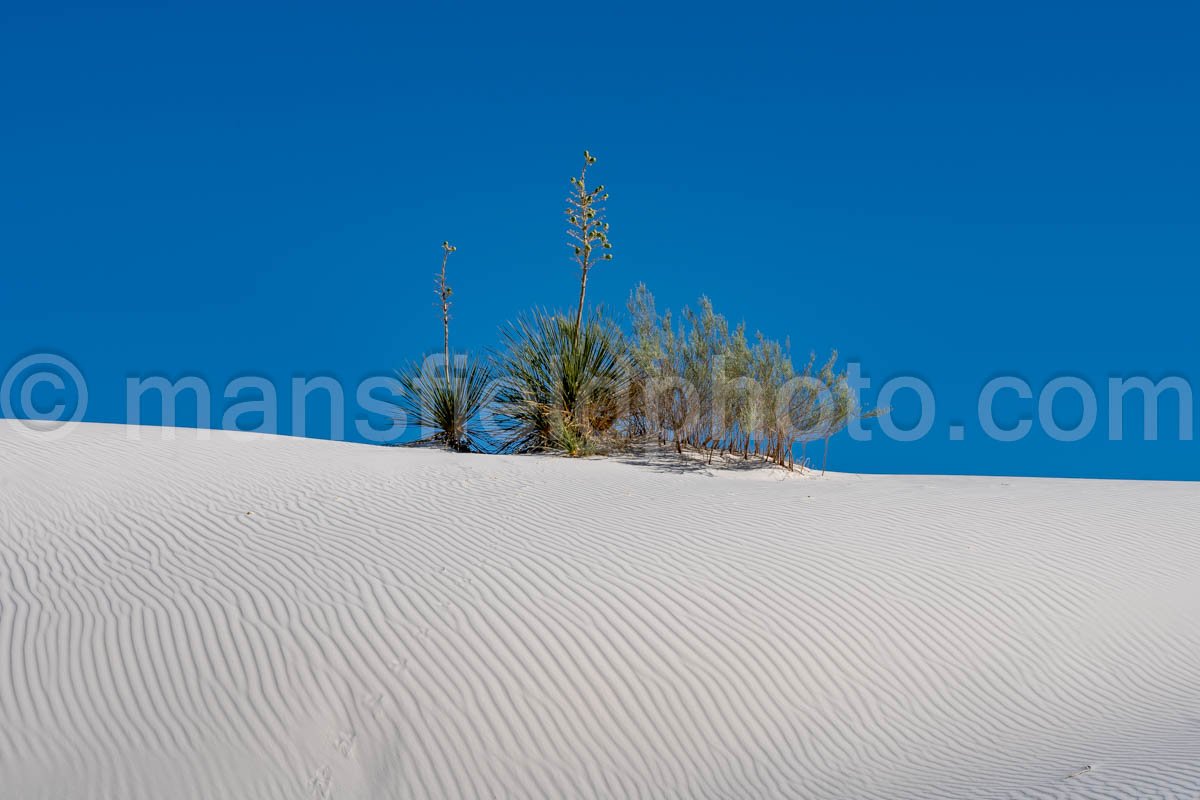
point(588, 229)
point(444, 293)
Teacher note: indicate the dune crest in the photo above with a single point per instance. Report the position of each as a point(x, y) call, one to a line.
point(265, 617)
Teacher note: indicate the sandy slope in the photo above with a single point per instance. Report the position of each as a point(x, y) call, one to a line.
point(270, 617)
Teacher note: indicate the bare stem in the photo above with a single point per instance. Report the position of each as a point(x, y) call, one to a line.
point(444, 294)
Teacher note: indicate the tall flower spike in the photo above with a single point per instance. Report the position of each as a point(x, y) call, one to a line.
point(587, 226)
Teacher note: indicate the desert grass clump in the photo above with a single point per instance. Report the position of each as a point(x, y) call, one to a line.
point(446, 401)
point(563, 388)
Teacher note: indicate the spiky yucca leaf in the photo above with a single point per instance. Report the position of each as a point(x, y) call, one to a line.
point(560, 391)
point(447, 404)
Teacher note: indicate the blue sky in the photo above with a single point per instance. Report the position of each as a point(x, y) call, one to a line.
point(951, 191)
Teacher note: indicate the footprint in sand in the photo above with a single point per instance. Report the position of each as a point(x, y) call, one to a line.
point(321, 784)
point(374, 704)
point(345, 743)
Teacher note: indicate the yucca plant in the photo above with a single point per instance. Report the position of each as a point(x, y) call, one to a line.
point(563, 389)
point(447, 402)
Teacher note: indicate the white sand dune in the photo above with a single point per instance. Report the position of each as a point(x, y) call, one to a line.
point(264, 617)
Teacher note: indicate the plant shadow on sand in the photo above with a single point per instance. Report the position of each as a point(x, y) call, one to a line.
point(665, 458)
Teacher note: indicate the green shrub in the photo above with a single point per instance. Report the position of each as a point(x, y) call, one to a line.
point(702, 384)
